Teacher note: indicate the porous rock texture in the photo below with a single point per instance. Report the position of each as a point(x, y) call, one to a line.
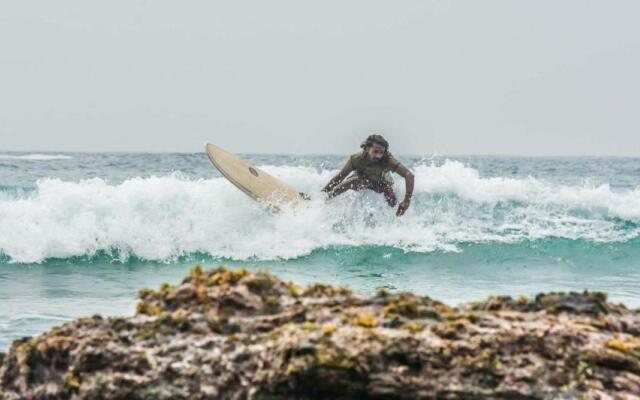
point(224, 334)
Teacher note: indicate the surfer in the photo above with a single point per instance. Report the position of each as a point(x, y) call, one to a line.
point(371, 170)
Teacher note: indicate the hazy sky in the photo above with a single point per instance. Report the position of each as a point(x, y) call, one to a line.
point(543, 77)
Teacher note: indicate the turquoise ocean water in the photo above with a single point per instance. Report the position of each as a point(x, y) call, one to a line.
point(80, 233)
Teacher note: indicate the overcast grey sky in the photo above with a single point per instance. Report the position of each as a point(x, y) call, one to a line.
point(543, 77)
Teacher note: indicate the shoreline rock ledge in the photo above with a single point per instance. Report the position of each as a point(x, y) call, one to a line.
point(233, 334)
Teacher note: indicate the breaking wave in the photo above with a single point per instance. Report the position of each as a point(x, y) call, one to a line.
point(167, 217)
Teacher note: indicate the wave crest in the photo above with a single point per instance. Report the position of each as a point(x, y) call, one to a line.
point(164, 217)
point(35, 157)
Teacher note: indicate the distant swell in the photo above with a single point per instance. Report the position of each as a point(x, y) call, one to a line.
point(167, 217)
point(35, 157)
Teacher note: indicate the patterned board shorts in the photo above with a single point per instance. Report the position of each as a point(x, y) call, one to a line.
point(356, 182)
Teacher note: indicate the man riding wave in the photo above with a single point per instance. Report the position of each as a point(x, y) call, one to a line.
point(371, 170)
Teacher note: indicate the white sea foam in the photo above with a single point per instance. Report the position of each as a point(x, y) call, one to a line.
point(35, 157)
point(161, 218)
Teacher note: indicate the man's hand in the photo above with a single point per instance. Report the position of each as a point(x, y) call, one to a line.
point(402, 207)
point(338, 178)
point(408, 181)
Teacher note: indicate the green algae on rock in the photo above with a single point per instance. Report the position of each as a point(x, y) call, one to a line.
point(238, 334)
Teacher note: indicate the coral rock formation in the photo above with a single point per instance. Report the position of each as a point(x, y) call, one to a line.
point(237, 335)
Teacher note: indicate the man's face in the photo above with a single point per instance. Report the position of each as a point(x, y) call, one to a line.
point(375, 152)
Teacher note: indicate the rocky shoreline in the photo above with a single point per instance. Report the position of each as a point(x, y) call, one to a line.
point(236, 335)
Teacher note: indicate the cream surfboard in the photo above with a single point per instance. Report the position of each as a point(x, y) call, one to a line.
point(252, 180)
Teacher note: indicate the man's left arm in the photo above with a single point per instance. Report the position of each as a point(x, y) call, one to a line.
point(408, 181)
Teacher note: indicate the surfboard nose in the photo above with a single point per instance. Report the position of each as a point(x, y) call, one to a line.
point(208, 147)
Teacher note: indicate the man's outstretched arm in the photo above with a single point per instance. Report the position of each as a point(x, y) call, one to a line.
point(338, 178)
point(408, 192)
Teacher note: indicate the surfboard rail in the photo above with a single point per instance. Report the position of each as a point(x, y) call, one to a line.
point(251, 180)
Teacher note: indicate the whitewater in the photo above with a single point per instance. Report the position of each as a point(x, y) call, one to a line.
point(81, 233)
point(166, 217)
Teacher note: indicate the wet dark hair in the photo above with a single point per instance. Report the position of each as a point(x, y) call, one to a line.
point(371, 139)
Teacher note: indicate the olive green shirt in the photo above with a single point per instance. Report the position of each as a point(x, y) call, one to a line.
point(374, 170)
